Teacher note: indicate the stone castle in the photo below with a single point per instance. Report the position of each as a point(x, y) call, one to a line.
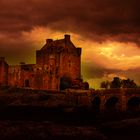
point(58, 66)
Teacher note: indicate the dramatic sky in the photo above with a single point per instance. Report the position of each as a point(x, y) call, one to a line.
point(107, 30)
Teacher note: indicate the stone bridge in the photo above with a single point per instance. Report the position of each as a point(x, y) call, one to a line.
point(107, 100)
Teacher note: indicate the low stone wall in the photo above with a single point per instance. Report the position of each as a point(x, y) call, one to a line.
point(116, 98)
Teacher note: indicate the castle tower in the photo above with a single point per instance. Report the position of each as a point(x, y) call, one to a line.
point(62, 57)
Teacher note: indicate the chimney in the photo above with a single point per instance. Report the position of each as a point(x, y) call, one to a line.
point(67, 37)
point(48, 41)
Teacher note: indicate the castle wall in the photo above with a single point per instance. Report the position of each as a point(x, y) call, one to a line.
point(75, 66)
point(70, 65)
point(39, 57)
point(56, 59)
point(14, 76)
point(3, 72)
point(38, 80)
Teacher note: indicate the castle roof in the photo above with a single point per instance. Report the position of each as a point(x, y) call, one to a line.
point(58, 45)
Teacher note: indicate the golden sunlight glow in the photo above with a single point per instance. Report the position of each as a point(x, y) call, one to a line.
point(109, 54)
point(119, 57)
point(39, 34)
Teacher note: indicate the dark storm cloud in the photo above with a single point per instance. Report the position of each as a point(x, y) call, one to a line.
point(99, 20)
point(18, 51)
point(133, 74)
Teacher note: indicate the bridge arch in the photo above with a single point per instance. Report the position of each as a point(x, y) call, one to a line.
point(111, 104)
point(96, 102)
point(133, 104)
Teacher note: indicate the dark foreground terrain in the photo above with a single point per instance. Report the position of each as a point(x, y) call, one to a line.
point(27, 123)
point(45, 117)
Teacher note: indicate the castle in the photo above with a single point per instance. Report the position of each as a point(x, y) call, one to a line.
point(58, 66)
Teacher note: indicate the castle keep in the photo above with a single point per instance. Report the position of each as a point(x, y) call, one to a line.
point(58, 65)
